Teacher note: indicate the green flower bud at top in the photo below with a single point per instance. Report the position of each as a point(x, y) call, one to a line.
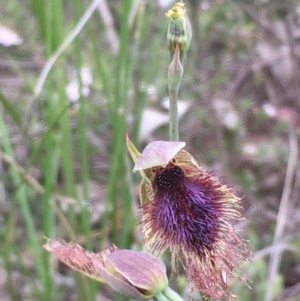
point(135, 274)
point(180, 30)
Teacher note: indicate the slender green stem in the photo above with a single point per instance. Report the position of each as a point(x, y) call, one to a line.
point(171, 294)
point(174, 76)
point(161, 297)
point(173, 116)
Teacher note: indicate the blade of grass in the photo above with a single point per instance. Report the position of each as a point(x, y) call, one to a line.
point(118, 116)
point(86, 227)
point(145, 72)
point(57, 142)
point(7, 250)
point(21, 195)
point(10, 108)
point(68, 40)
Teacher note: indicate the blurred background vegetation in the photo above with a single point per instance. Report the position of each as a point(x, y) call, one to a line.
point(64, 168)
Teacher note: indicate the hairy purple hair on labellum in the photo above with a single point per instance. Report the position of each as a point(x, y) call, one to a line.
point(188, 210)
point(192, 219)
point(191, 213)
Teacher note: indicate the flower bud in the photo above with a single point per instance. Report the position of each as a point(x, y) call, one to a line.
point(136, 274)
point(179, 31)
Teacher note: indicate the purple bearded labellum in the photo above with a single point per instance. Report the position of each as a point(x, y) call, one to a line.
point(188, 210)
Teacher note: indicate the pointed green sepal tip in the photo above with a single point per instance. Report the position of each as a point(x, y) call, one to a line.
point(134, 153)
